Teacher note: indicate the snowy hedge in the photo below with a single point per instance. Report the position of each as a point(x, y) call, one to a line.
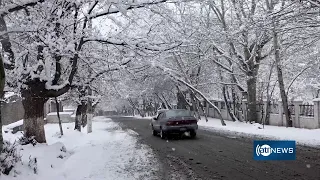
point(9, 157)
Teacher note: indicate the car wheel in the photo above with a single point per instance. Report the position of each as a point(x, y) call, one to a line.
point(193, 134)
point(154, 132)
point(163, 134)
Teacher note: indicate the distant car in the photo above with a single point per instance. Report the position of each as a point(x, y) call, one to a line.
point(175, 121)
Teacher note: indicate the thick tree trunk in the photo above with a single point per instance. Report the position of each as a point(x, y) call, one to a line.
point(34, 117)
point(1, 137)
point(77, 124)
point(58, 114)
point(84, 113)
point(252, 99)
point(2, 84)
point(90, 112)
point(89, 119)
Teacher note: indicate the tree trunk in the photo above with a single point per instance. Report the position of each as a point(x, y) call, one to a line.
point(89, 118)
point(77, 124)
point(84, 113)
point(182, 103)
point(268, 109)
point(280, 79)
point(234, 102)
point(269, 95)
point(168, 106)
point(134, 106)
point(194, 104)
point(228, 105)
point(224, 93)
point(1, 137)
point(2, 84)
point(198, 92)
point(252, 99)
point(34, 117)
point(58, 114)
point(204, 112)
point(90, 111)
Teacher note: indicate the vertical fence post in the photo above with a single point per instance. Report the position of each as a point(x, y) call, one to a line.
point(296, 120)
point(316, 109)
point(244, 110)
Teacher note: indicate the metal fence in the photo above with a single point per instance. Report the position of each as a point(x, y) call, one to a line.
point(291, 109)
point(223, 105)
point(306, 110)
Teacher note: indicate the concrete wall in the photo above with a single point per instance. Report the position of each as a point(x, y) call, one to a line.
point(303, 121)
point(225, 114)
point(64, 116)
point(308, 122)
point(275, 120)
point(212, 113)
point(298, 121)
point(52, 107)
point(11, 112)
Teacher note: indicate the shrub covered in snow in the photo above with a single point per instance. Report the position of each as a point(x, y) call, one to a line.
point(33, 164)
point(27, 140)
point(9, 157)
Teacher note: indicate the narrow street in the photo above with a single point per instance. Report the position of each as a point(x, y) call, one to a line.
point(216, 156)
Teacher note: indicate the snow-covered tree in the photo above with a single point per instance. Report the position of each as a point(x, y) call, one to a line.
point(50, 40)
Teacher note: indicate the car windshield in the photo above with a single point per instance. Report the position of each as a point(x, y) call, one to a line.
point(178, 113)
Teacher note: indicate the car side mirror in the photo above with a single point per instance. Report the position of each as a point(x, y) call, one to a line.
point(154, 118)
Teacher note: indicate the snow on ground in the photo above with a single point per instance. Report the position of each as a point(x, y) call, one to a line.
point(8, 94)
point(12, 125)
point(107, 153)
point(55, 113)
point(301, 136)
point(140, 117)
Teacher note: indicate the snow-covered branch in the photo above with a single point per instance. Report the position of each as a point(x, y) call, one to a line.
point(178, 79)
point(134, 44)
point(125, 7)
point(16, 7)
point(296, 76)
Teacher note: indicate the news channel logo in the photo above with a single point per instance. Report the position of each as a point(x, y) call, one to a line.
point(274, 150)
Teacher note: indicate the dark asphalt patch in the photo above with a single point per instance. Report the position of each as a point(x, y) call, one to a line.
point(215, 156)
